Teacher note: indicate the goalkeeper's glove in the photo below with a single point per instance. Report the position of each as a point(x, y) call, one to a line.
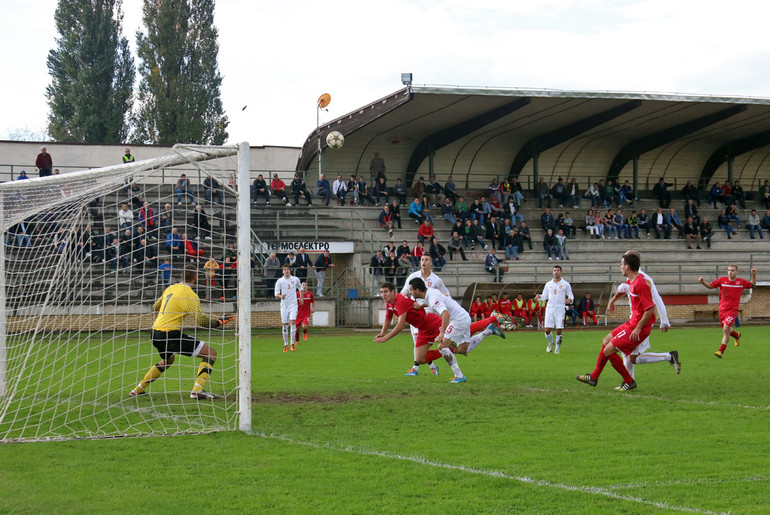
point(225, 319)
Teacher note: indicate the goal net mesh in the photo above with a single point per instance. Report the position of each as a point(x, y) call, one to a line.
point(85, 256)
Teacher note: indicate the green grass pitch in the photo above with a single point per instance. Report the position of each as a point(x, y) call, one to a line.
point(338, 428)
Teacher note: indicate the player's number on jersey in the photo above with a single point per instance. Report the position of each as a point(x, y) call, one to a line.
point(165, 303)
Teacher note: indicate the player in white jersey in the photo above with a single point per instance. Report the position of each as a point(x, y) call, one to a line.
point(431, 280)
point(286, 289)
point(558, 294)
point(455, 324)
point(640, 354)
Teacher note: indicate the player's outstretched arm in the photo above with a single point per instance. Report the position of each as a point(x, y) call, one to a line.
point(399, 326)
point(705, 283)
point(753, 277)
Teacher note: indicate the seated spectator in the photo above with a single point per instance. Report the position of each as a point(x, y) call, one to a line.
point(587, 308)
point(732, 214)
point(386, 219)
point(22, 176)
point(135, 196)
point(766, 220)
point(324, 189)
point(403, 249)
point(390, 267)
point(493, 191)
point(574, 193)
point(183, 187)
point(517, 192)
point(213, 189)
point(260, 189)
point(415, 211)
point(690, 192)
point(478, 231)
point(691, 232)
point(691, 211)
point(476, 211)
point(164, 272)
point(493, 233)
point(727, 193)
point(461, 209)
point(549, 244)
point(191, 248)
point(417, 252)
point(419, 189)
point(660, 192)
point(450, 190)
point(519, 309)
point(447, 211)
point(127, 244)
point(624, 231)
point(377, 264)
point(511, 211)
point(571, 312)
point(174, 244)
point(525, 235)
point(673, 221)
point(738, 194)
point(513, 245)
point(543, 193)
point(212, 270)
point(148, 220)
point(705, 232)
point(399, 191)
point(278, 189)
point(660, 223)
point(22, 238)
point(505, 191)
point(436, 251)
point(591, 226)
point(753, 224)
point(764, 195)
point(299, 189)
point(339, 190)
point(607, 192)
point(715, 194)
point(547, 221)
point(381, 192)
point(146, 257)
point(352, 187)
point(569, 226)
point(363, 192)
point(492, 266)
point(456, 244)
point(395, 208)
point(114, 256)
point(723, 222)
point(166, 220)
point(632, 222)
point(625, 194)
point(125, 217)
point(594, 193)
point(559, 192)
point(644, 222)
point(201, 223)
point(610, 225)
point(425, 232)
point(435, 192)
point(561, 246)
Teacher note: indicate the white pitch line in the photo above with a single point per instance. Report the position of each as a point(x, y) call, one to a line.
point(687, 482)
point(490, 473)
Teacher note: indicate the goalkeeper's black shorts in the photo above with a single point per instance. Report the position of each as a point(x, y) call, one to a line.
point(175, 342)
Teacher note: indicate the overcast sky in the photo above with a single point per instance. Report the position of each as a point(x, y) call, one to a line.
point(278, 57)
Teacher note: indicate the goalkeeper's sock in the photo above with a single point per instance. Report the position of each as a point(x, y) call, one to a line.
point(204, 371)
point(149, 377)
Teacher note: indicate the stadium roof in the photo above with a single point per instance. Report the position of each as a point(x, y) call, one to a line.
point(473, 133)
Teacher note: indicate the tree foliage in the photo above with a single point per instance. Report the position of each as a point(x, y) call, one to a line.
point(92, 73)
point(179, 94)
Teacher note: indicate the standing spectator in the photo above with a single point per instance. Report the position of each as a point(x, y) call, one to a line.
point(128, 157)
point(174, 244)
point(549, 244)
point(705, 232)
point(660, 192)
point(148, 220)
point(660, 223)
point(324, 189)
point(211, 267)
point(125, 217)
point(301, 264)
point(754, 225)
point(377, 168)
point(691, 232)
point(436, 251)
point(690, 192)
point(587, 308)
point(213, 189)
point(322, 264)
point(44, 163)
point(543, 193)
point(723, 222)
point(201, 223)
point(183, 187)
point(455, 244)
point(561, 246)
point(391, 267)
point(260, 189)
point(278, 189)
point(339, 189)
point(271, 271)
point(492, 266)
point(376, 266)
point(298, 189)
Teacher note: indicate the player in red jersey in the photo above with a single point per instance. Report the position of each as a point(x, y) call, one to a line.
point(519, 306)
point(627, 336)
point(477, 310)
point(304, 311)
point(730, 289)
point(504, 306)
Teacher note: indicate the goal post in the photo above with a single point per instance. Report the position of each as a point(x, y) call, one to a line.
point(84, 257)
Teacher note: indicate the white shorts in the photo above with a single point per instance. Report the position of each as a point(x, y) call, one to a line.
point(288, 313)
point(554, 317)
point(458, 331)
point(641, 348)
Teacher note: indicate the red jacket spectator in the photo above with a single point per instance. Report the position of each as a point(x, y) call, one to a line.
point(191, 248)
point(477, 309)
point(425, 232)
point(504, 306)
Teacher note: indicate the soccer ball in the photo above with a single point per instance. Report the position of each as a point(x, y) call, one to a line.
point(335, 139)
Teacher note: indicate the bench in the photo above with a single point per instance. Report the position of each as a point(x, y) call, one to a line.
point(709, 312)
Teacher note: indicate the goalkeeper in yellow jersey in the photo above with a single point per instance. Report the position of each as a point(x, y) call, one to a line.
point(179, 300)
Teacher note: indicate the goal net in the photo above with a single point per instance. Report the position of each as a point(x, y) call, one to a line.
point(84, 257)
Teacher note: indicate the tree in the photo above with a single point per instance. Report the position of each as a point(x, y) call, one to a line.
point(92, 73)
point(179, 93)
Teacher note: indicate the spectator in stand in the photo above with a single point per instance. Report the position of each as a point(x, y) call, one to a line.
point(299, 189)
point(512, 211)
point(260, 189)
point(376, 266)
point(301, 264)
point(417, 252)
point(399, 191)
point(691, 211)
point(587, 308)
point(690, 192)
point(213, 189)
point(125, 217)
point(395, 208)
point(660, 192)
point(403, 270)
point(506, 190)
point(732, 214)
point(493, 234)
point(148, 220)
point(381, 192)
point(455, 244)
point(461, 209)
point(715, 194)
point(391, 267)
point(610, 225)
point(174, 244)
point(126, 244)
point(574, 194)
point(339, 190)
point(525, 235)
point(644, 222)
point(543, 193)
point(753, 224)
point(514, 245)
point(403, 249)
point(352, 186)
point(561, 246)
point(766, 220)
point(723, 222)
point(624, 231)
point(22, 176)
point(450, 190)
point(632, 222)
point(705, 232)
point(271, 270)
point(135, 195)
point(559, 192)
point(85, 243)
point(594, 194)
point(230, 252)
point(191, 247)
point(102, 242)
point(608, 192)
point(425, 232)
point(447, 211)
point(571, 312)
point(476, 310)
point(691, 232)
point(44, 163)
point(517, 192)
point(547, 221)
point(591, 227)
point(386, 219)
point(164, 271)
point(166, 220)
point(419, 189)
point(569, 226)
point(377, 168)
point(626, 194)
point(436, 251)
point(211, 267)
point(492, 266)
point(415, 211)
point(113, 255)
point(493, 191)
point(183, 187)
point(363, 192)
point(764, 195)
point(22, 238)
point(549, 244)
point(727, 193)
point(739, 195)
point(201, 223)
point(324, 189)
point(321, 266)
point(660, 223)
point(478, 231)
point(278, 189)
point(434, 191)
point(146, 257)
point(599, 223)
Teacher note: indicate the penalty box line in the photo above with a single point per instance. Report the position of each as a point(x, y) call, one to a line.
point(489, 473)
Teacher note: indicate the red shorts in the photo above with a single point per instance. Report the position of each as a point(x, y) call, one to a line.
point(426, 336)
point(621, 337)
point(727, 318)
point(305, 319)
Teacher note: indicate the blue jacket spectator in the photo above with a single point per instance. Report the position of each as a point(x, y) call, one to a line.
point(22, 176)
point(415, 211)
point(492, 266)
point(547, 220)
point(324, 189)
